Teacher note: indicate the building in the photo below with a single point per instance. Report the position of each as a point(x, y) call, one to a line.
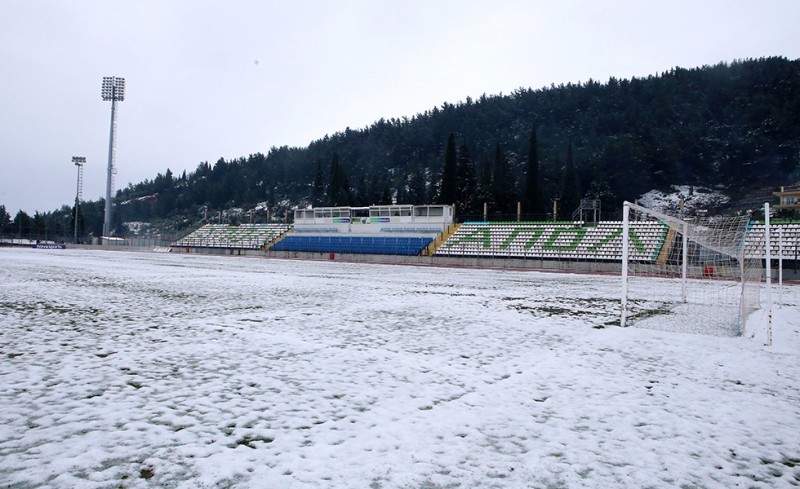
point(790, 199)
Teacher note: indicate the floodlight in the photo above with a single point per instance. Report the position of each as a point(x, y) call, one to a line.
point(112, 89)
point(79, 161)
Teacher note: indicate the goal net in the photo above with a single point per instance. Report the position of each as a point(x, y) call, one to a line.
point(697, 280)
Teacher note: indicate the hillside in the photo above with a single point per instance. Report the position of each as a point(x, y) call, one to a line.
point(732, 127)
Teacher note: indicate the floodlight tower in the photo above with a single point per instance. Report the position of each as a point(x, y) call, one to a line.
point(114, 90)
point(79, 162)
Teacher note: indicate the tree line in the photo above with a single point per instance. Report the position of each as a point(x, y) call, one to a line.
point(731, 126)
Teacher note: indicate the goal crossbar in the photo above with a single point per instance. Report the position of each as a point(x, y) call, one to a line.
point(721, 244)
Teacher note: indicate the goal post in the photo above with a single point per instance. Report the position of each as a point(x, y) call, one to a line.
point(697, 280)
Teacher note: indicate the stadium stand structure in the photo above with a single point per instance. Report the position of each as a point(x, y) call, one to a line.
point(573, 240)
point(244, 236)
point(373, 230)
point(784, 237)
point(429, 231)
point(554, 240)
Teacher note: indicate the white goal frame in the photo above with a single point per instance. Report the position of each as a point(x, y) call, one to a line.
point(691, 287)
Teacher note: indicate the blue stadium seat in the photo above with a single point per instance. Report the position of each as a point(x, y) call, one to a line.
point(354, 244)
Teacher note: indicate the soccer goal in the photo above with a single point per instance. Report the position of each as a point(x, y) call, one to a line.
point(697, 279)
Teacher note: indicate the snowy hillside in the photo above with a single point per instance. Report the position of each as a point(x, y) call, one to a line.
point(694, 199)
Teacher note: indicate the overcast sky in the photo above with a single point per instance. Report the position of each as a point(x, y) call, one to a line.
point(227, 78)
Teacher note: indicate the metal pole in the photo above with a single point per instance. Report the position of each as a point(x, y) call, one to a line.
point(110, 171)
point(768, 253)
point(113, 90)
point(75, 238)
point(625, 229)
point(77, 192)
point(684, 261)
point(79, 161)
point(767, 247)
point(780, 265)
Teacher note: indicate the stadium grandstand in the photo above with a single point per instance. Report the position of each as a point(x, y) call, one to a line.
point(429, 233)
point(374, 230)
point(223, 236)
point(554, 240)
point(785, 240)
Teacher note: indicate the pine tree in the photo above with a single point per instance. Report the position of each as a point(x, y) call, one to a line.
point(534, 201)
point(386, 194)
point(467, 182)
point(417, 186)
point(485, 185)
point(333, 181)
point(448, 191)
point(503, 185)
point(338, 187)
point(361, 196)
point(374, 189)
point(402, 191)
point(318, 187)
point(570, 190)
point(22, 223)
point(5, 219)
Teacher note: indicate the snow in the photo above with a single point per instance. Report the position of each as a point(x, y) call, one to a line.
point(695, 199)
point(157, 370)
point(136, 227)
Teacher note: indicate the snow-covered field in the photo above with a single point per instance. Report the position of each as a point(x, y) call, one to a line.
point(154, 370)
